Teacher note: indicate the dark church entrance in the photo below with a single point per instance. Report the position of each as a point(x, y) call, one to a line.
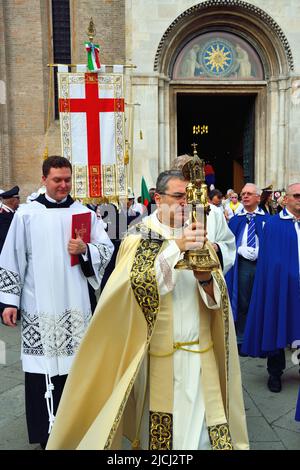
point(228, 141)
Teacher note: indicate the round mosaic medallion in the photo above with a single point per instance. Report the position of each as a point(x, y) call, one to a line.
point(218, 57)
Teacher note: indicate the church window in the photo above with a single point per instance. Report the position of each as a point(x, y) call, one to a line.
point(61, 40)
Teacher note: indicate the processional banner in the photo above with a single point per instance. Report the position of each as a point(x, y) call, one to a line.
point(91, 107)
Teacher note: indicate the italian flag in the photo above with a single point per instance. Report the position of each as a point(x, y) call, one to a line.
point(145, 196)
point(93, 56)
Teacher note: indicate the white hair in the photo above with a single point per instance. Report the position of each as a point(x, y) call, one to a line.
point(258, 191)
point(288, 188)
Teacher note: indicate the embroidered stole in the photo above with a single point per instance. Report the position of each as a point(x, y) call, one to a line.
point(145, 289)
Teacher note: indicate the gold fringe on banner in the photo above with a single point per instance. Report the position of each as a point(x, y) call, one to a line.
point(100, 200)
point(50, 101)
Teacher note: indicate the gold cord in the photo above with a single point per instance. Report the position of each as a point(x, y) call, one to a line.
point(179, 346)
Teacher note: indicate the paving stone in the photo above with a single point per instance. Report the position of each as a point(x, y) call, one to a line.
point(12, 403)
point(260, 431)
point(273, 405)
point(13, 371)
point(12, 355)
point(7, 383)
point(288, 421)
point(11, 336)
point(267, 446)
point(254, 366)
point(290, 439)
point(14, 435)
point(250, 407)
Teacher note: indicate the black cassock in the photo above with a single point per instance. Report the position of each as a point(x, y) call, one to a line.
point(5, 221)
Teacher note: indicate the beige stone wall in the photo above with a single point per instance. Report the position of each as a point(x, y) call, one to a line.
point(147, 22)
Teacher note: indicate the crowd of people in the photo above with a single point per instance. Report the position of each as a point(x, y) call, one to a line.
point(120, 341)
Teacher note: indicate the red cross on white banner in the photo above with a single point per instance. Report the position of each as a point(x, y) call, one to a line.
point(92, 105)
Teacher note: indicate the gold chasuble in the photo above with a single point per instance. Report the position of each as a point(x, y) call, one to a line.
point(130, 339)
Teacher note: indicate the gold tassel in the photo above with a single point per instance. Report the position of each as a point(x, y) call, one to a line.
point(136, 444)
point(126, 157)
point(45, 154)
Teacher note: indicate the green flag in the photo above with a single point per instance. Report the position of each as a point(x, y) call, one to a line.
point(145, 196)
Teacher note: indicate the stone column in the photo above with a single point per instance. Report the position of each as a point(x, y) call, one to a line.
point(161, 126)
point(145, 151)
point(293, 165)
point(272, 141)
point(282, 157)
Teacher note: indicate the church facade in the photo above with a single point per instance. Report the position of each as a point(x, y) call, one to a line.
point(224, 74)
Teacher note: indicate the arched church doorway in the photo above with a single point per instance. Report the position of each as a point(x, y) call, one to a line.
point(223, 126)
point(228, 65)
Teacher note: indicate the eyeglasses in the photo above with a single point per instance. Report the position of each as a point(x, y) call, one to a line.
point(177, 196)
point(295, 196)
point(248, 194)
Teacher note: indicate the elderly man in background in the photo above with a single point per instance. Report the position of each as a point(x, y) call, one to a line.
point(247, 227)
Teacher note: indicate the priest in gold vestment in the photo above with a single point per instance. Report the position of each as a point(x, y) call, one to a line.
point(159, 361)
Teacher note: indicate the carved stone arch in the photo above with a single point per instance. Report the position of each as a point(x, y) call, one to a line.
point(235, 16)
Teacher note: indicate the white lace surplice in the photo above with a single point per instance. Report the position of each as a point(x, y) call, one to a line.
point(54, 301)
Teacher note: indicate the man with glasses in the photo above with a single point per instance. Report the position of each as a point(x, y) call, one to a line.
point(166, 333)
point(247, 227)
point(273, 318)
point(10, 201)
point(218, 233)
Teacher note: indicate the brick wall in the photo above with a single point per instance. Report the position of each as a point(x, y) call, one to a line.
point(25, 50)
point(109, 19)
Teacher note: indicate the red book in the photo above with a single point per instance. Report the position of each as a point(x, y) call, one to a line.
point(81, 225)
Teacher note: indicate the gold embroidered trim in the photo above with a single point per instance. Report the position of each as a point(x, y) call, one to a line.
point(118, 417)
point(144, 286)
point(161, 426)
point(226, 311)
point(220, 437)
point(143, 280)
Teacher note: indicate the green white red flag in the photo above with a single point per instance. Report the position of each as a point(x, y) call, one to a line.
point(145, 196)
point(93, 56)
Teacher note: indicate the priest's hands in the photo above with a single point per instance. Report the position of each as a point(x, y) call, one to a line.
point(193, 237)
point(9, 316)
point(76, 246)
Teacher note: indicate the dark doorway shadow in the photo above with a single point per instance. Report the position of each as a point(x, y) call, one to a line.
point(229, 143)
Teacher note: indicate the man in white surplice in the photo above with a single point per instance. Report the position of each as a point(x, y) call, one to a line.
point(36, 276)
